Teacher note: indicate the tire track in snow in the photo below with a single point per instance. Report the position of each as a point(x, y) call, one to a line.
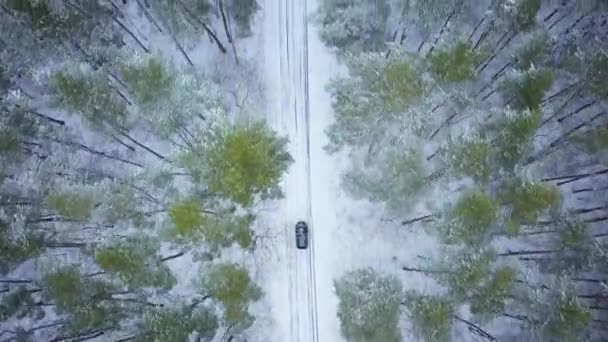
point(289, 24)
point(300, 201)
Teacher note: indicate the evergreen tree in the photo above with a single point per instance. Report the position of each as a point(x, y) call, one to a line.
point(369, 306)
point(231, 286)
point(431, 316)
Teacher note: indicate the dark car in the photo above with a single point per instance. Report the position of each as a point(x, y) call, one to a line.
point(302, 235)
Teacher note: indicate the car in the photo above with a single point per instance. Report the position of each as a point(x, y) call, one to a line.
point(302, 235)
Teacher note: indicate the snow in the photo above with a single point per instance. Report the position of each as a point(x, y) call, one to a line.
point(345, 234)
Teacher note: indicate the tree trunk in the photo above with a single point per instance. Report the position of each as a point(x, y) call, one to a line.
point(55, 244)
point(81, 336)
point(475, 329)
point(576, 191)
point(144, 9)
point(181, 50)
point(419, 270)
point(135, 301)
point(428, 217)
point(548, 17)
point(445, 25)
point(498, 52)
point(129, 147)
point(589, 210)
point(533, 252)
point(483, 36)
point(591, 280)
point(562, 107)
point(559, 141)
point(16, 281)
point(560, 93)
point(225, 21)
point(575, 177)
point(158, 155)
point(517, 317)
point(171, 257)
point(205, 27)
point(121, 95)
point(573, 25)
point(130, 33)
point(228, 29)
point(599, 295)
point(475, 29)
point(95, 152)
point(43, 116)
point(576, 111)
point(443, 124)
point(558, 21)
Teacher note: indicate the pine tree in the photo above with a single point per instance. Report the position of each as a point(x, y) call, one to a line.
point(472, 156)
point(527, 88)
point(87, 301)
point(243, 13)
point(149, 80)
point(369, 306)
point(244, 162)
point(136, 262)
point(89, 93)
point(454, 64)
point(526, 202)
point(431, 316)
point(396, 180)
point(176, 324)
point(231, 286)
point(470, 220)
point(16, 249)
point(489, 300)
point(348, 26)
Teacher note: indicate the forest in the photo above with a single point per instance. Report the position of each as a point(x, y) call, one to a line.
point(134, 158)
point(130, 167)
point(482, 124)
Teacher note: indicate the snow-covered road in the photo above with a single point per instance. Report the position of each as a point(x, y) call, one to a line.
point(304, 304)
point(286, 70)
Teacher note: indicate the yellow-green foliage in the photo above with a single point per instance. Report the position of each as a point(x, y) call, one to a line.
point(186, 216)
point(472, 158)
point(570, 320)
point(573, 234)
point(431, 316)
point(217, 230)
point(514, 136)
point(136, 262)
point(248, 160)
point(89, 94)
point(149, 81)
point(232, 286)
point(527, 201)
point(72, 205)
point(455, 64)
point(468, 271)
point(13, 252)
point(400, 84)
point(528, 90)
point(42, 18)
point(488, 301)
point(472, 216)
